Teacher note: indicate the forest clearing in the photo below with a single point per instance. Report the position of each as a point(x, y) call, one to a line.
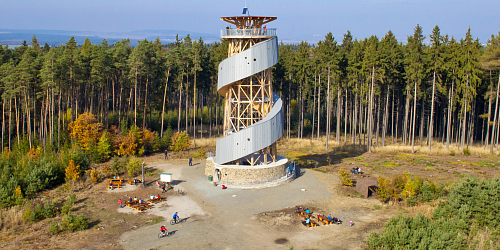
point(273, 221)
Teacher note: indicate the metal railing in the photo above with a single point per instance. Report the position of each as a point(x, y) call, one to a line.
point(247, 32)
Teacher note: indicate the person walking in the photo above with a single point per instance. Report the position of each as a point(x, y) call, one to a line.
point(166, 154)
point(190, 161)
point(120, 202)
point(163, 188)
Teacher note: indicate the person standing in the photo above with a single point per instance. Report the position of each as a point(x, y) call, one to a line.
point(265, 30)
point(120, 202)
point(166, 154)
point(190, 161)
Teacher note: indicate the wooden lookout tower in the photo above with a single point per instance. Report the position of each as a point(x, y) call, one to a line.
point(249, 96)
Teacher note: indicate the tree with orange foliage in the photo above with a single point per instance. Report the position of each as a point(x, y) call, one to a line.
point(72, 171)
point(86, 130)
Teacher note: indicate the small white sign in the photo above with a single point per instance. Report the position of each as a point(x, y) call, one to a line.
point(165, 177)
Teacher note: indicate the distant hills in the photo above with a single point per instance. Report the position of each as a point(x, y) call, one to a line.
point(58, 37)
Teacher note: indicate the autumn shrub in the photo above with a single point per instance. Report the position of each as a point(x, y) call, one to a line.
point(72, 171)
point(344, 177)
point(86, 130)
point(130, 143)
point(94, 175)
point(404, 187)
point(133, 166)
point(201, 153)
point(180, 141)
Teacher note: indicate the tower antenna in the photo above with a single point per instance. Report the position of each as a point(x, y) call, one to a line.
point(245, 9)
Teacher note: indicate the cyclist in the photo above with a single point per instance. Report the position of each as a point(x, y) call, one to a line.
point(164, 230)
point(176, 217)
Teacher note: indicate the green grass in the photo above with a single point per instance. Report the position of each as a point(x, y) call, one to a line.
point(488, 164)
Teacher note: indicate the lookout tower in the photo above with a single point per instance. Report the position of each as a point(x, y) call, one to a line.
point(253, 117)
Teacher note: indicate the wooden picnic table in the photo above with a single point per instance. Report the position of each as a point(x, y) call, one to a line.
point(311, 223)
point(324, 220)
point(156, 200)
point(303, 214)
point(115, 185)
point(143, 206)
point(130, 203)
point(132, 182)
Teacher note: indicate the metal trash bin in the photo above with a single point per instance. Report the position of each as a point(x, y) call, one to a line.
point(210, 178)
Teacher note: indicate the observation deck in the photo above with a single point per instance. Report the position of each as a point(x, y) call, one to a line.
point(248, 33)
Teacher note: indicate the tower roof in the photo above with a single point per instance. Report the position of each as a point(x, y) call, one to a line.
point(247, 21)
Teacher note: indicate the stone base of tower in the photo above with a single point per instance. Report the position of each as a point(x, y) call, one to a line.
point(249, 177)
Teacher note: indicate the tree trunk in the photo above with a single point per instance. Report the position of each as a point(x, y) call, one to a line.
point(370, 112)
point(355, 117)
point(339, 108)
point(319, 101)
point(489, 115)
point(414, 116)
point(135, 99)
point(429, 134)
point(328, 111)
point(495, 117)
point(386, 116)
point(465, 114)
point(180, 103)
point(194, 110)
point(407, 107)
point(314, 109)
point(145, 102)
point(345, 118)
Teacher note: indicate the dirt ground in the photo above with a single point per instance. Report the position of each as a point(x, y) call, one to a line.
point(259, 219)
point(239, 219)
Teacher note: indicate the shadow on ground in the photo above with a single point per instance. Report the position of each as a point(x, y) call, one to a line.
point(335, 156)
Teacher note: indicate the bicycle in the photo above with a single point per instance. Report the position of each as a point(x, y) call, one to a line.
point(162, 234)
point(179, 221)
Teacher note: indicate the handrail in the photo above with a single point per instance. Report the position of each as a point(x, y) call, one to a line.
point(248, 32)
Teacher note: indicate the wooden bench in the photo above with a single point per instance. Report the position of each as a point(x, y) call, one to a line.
point(115, 186)
point(311, 223)
point(303, 213)
point(132, 182)
point(156, 200)
point(324, 220)
point(139, 204)
point(131, 203)
point(143, 206)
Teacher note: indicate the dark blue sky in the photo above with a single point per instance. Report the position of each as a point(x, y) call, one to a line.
point(297, 20)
